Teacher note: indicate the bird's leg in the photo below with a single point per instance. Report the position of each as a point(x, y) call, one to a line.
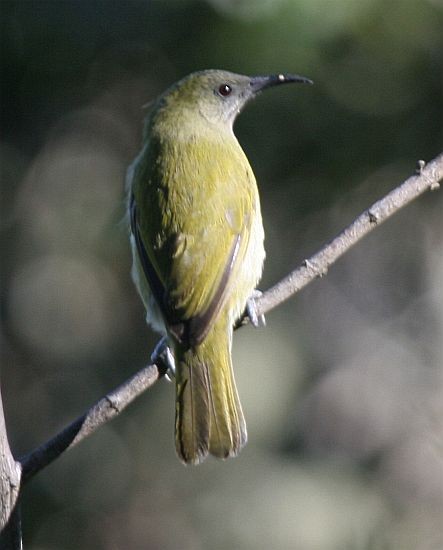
point(162, 356)
point(251, 310)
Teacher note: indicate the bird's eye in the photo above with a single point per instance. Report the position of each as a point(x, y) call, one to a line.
point(225, 90)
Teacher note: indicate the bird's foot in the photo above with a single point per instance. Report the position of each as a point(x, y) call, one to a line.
point(162, 356)
point(251, 310)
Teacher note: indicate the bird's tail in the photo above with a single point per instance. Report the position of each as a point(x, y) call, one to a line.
point(209, 417)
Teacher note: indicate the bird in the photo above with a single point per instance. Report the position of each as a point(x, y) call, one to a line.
point(197, 241)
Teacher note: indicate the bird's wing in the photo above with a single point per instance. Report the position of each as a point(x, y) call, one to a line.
point(190, 271)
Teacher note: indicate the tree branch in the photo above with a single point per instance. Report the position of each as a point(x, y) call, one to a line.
point(112, 404)
point(104, 410)
point(427, 178)
point(10, 471)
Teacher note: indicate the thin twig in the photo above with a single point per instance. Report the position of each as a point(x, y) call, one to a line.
point(112, 404)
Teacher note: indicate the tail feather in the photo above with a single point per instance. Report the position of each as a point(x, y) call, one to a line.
point(228, 428)
point(209, 417)
point(191, 426)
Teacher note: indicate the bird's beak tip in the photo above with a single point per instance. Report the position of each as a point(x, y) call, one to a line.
point(283, 78)
point(259, 83)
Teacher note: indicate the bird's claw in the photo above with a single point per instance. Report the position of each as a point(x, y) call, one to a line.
point(162, 356)
point(251, 310)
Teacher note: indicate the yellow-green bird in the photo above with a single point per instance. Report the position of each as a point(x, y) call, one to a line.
point(197, 243)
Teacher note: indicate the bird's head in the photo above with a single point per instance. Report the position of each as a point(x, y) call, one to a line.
point(218, 96)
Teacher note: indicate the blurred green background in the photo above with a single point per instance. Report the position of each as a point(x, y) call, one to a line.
point(343, 391)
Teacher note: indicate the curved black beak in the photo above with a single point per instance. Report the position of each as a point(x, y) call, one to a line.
point(259, 83)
